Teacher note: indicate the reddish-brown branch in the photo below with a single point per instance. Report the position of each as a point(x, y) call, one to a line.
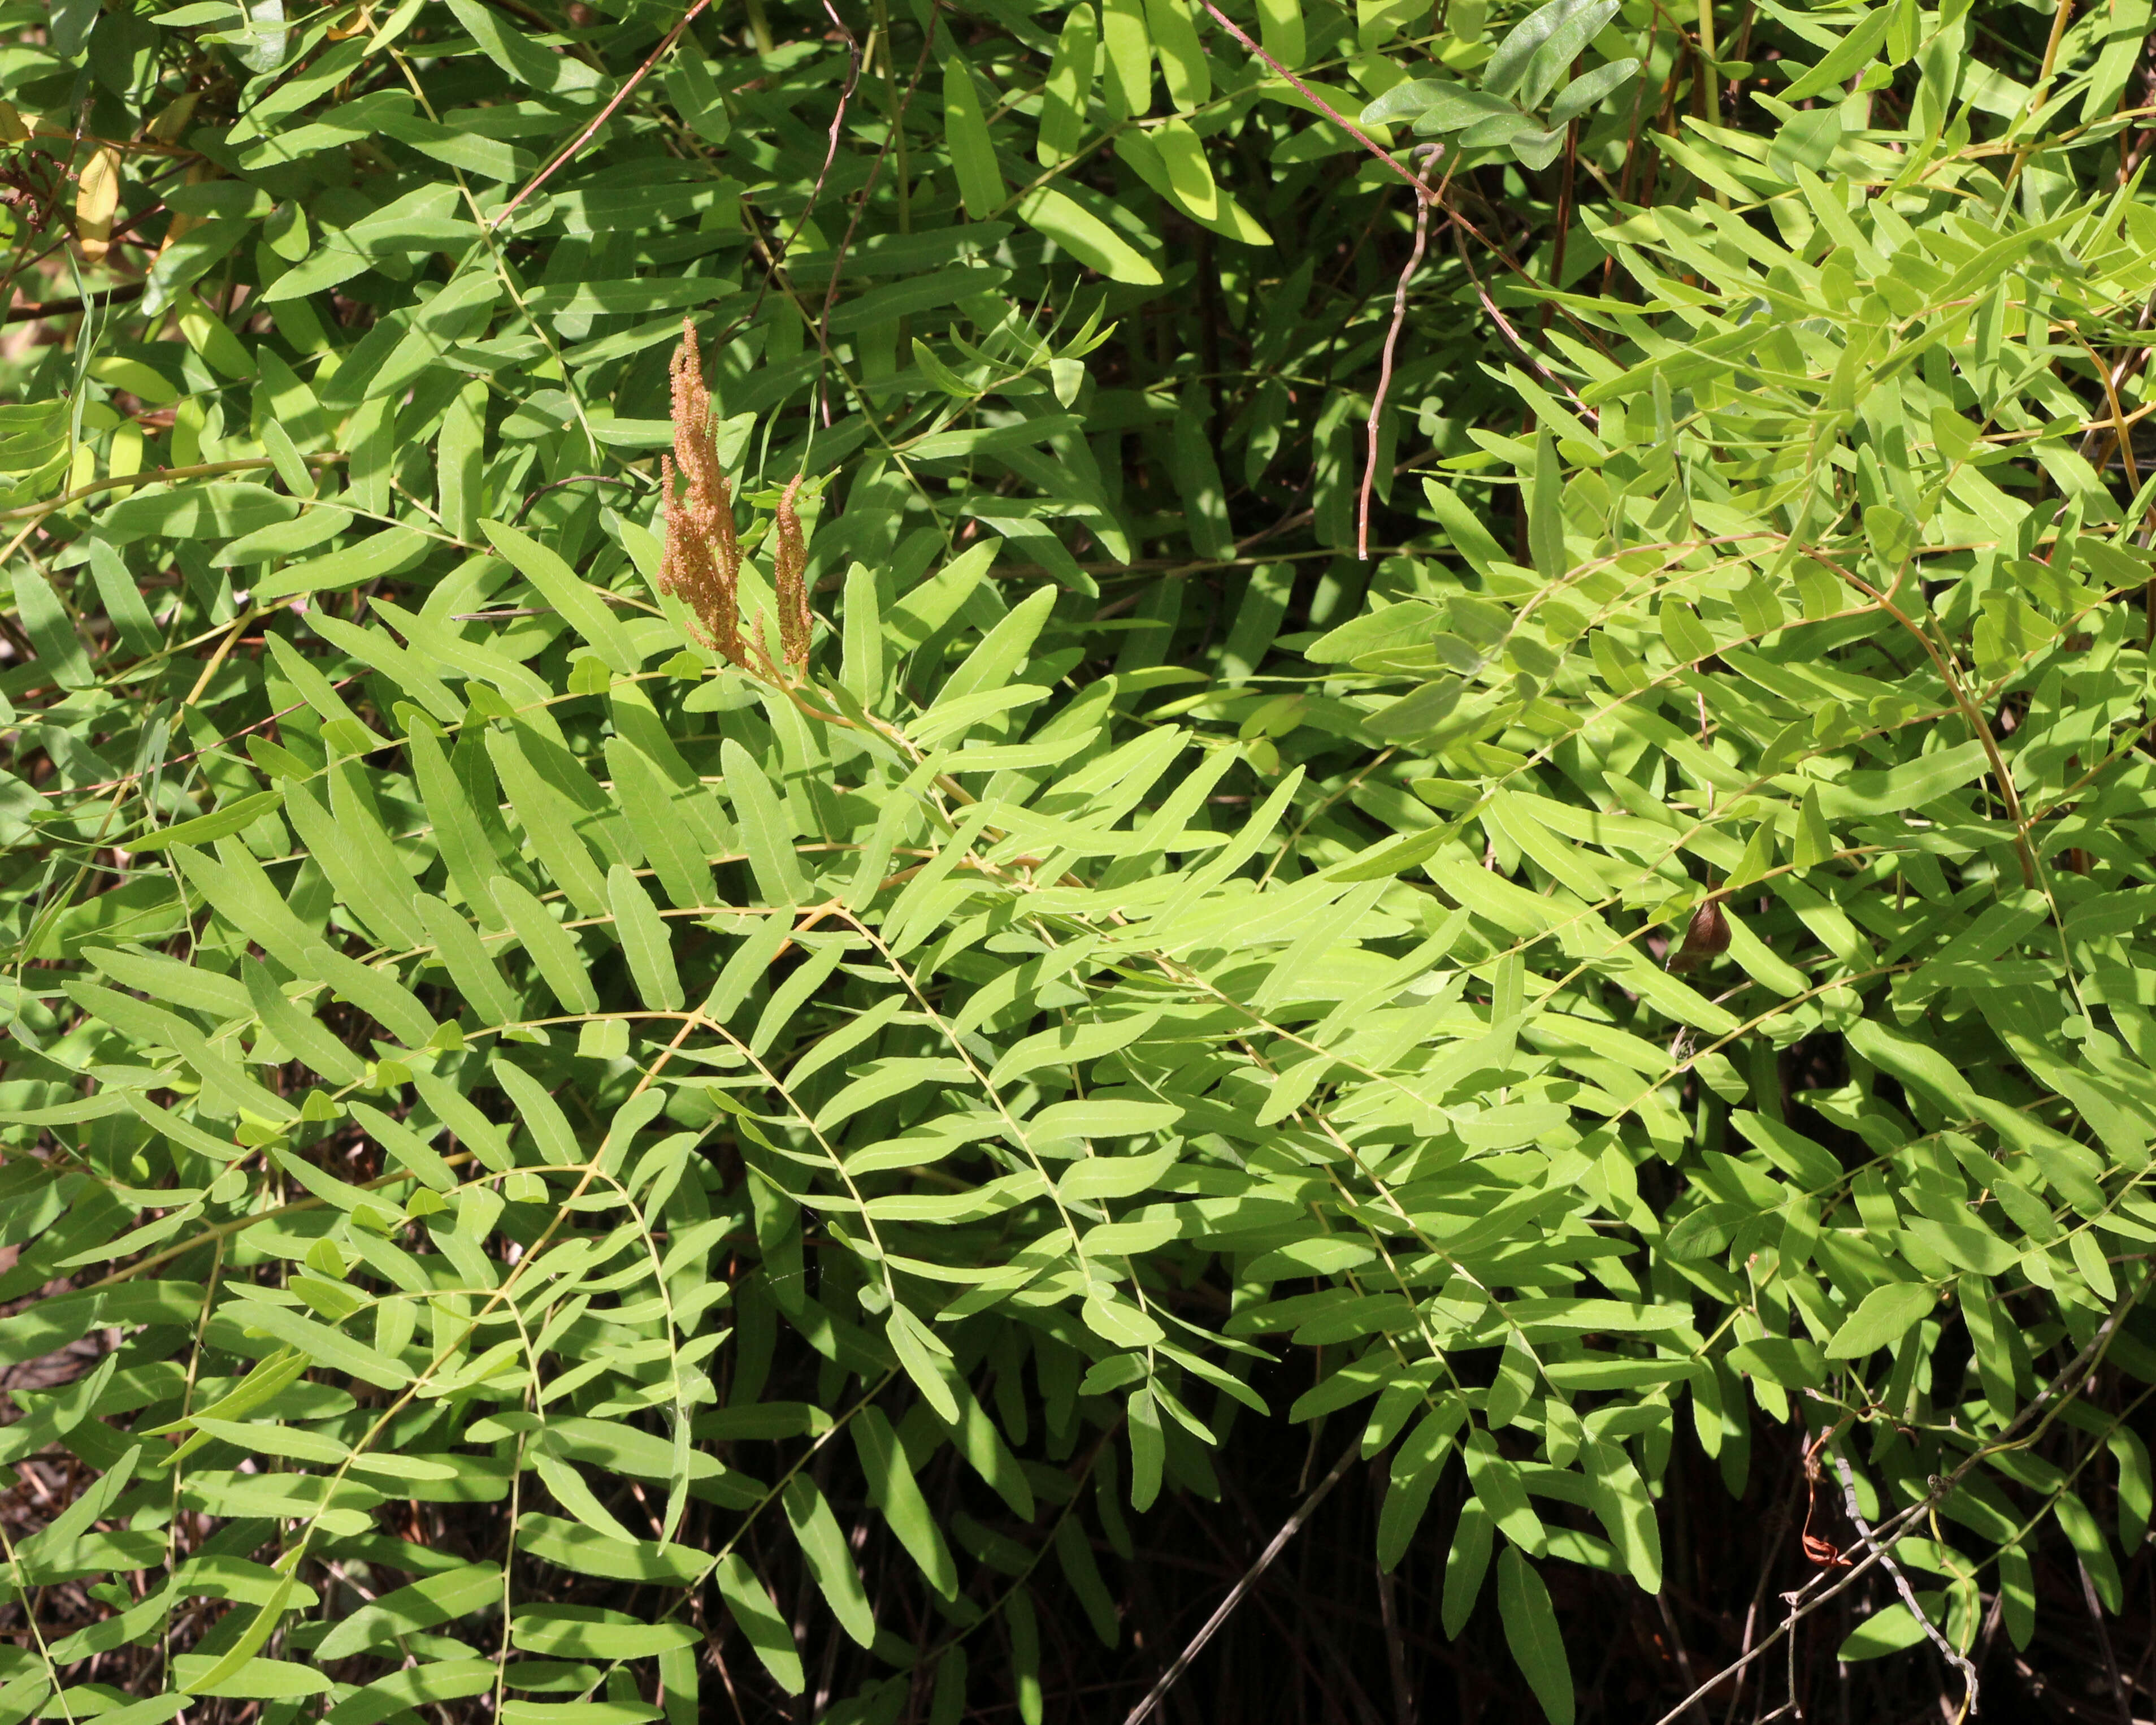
point(1385, 366)
point(605, 113)
point(1421, 191)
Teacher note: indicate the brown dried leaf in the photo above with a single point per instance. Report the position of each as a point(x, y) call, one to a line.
point(1706, 940)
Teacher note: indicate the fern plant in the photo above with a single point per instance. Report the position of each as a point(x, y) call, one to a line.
point(696, 1007)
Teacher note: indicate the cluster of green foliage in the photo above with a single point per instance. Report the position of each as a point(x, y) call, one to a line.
point(1652, 946)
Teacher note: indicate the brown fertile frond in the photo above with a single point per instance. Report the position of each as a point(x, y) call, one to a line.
point(790, 567)
point(701, 562)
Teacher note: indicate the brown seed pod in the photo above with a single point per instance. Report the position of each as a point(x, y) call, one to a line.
point(1706, 938)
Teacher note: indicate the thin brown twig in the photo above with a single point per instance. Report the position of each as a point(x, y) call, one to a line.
point(114, 784)
point(605, 113)
point(1947, 1651)
point(2129, 360)
point(831, 147)
point(2120, 1697)
point(62, 308)
point(2040, 92)
point(1324, 107)
point(574, 479)
point(868, 190)
point(1396, 1663)
point(820, 396)
point(1462, 227)
point(1809, 1598)
point(1681, 1654)
point(1758, 1597)
point(1288, 1530)
point(152, 476)
point(774, 253)
point(1392, 340)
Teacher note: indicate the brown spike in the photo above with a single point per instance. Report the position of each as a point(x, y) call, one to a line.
point(701, 564)
point(790, 566)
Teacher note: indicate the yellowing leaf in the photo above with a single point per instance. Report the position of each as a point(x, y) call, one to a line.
point(97, 199)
